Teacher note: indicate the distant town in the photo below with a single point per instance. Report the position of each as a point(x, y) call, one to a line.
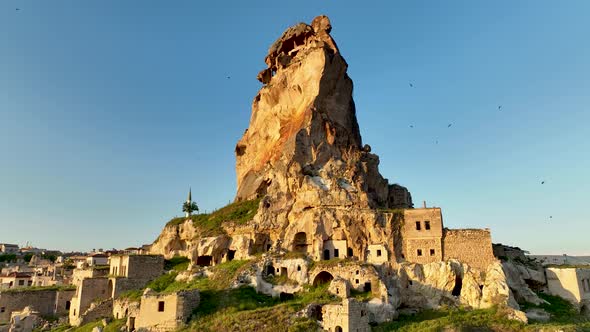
point(35, 267)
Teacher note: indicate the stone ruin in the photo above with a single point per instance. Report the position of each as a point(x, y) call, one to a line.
point(322, 199)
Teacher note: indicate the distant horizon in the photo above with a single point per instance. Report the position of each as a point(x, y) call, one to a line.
point(109, 112)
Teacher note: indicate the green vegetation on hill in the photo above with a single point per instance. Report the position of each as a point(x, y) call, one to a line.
point(8, 258)
point(561, 310)
point(563, 318)
point(177, 263)
point(242, 309)
point(210, 223)
point(40, 288)
point(457, 319)
point(114, 326)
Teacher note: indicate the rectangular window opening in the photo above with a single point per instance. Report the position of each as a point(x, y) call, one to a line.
point(432, 252)
point(378, 253)
point(418, 227)
point(161, 306)
point(419, 252)
point(336, 253)
point(427, 225)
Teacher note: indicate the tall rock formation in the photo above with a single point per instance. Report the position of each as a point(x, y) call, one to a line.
point(303, 144)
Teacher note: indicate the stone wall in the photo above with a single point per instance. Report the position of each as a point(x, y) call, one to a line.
point(63, 302)
point(117, 286)
point(470, 246)
point(43, 301)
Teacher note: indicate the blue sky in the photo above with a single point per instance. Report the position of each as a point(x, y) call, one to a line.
point(109, 110)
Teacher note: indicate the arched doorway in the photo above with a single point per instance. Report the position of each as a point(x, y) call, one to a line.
point(338, 329)
point(300, 242)
point(322, 278)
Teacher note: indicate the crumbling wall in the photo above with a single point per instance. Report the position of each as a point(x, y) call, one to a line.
point(470, 246)
point(42, 301)
point(123, 308)
point(97, 310)
point(89, 290)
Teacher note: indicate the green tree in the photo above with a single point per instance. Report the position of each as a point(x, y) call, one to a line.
point(190, 207)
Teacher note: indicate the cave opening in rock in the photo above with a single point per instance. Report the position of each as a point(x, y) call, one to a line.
point(300, 242)
point(270, 270)
point(230, 255)
point(204, 260)
point(458, 285)
point(322, 278)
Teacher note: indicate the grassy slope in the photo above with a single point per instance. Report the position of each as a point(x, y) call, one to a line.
point(563, 318)
point(242, 309)
point(210, 223)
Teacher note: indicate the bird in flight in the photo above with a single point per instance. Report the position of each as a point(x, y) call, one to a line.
point(411, 126)
point(542, 182)
point(550, 217)
point(500, 108)
point(17, 9)
point(411, 85)
point(449, 126)
point(228, 77)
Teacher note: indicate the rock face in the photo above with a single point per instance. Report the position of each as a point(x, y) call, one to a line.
point(303, 133)
point(325, 213)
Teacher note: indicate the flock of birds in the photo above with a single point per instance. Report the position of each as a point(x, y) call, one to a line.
point(411, 126)
point(450, 124)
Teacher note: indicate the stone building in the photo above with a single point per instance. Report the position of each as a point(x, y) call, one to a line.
point(129, 272)
point(16, 280)
point(422, 235)
point(7, 248)
point(350, 316)
point(570, 283)
point(164, 312)
point(88, 291)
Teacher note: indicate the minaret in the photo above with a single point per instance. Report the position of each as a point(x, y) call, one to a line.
point(188, 202)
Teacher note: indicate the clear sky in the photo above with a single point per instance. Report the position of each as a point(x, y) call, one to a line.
point(110, 109)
